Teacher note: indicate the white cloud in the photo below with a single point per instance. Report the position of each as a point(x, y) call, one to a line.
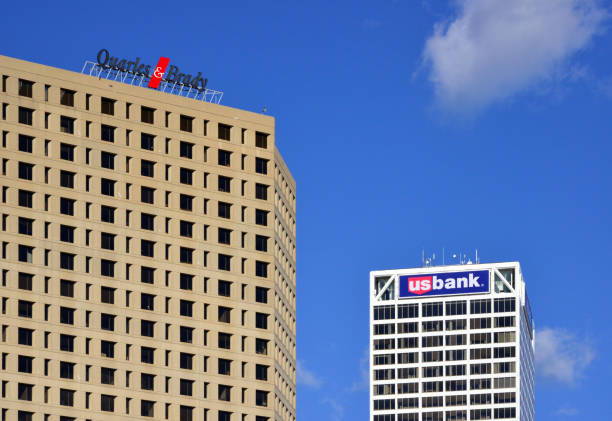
point(364, 373)
point(337, 410)
point(561, 356)
point(307, 377)
point(495, 49)
point(567, 412)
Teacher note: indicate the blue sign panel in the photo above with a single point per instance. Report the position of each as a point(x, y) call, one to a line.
point(425, 285)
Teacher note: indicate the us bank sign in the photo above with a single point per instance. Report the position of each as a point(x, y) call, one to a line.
point(449, 283)
point(157, 73)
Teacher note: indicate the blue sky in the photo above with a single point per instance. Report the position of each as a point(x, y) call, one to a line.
point(408, 125)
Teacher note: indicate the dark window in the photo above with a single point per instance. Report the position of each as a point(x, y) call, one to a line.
point(186, 255)
point(224, 184)
point(67, 97)
point(67, 152)
point(147, 328)
point(261, 269)
point(261, 217)
point(261, 243)
point(66, 370)
point(186, 387)
point(224, 261)
point(25, 170)
point(107, 403)
point(25, 253)
point(147, 114)
point(261, 346)
point(107, 160)
point(186, 202)
point(261, 166)
point(261, 320)
point(66, 288)
point(261, 372)
point(224, 131)
point(186, 228)
point(225, 366)
point(224, 236)
point(261, 294)
point(147, 221)
point(261, 191)
point(107, 187)
point(186, 176)
point(146, 408)
point(25, 88)
point(107, 133)
point(147, 301)
point(107, 241)
point(24, 391)
point(147, 248)
point(147, 168)
point(107, 295)
point(25, 143)
point(147, 381)
point(224, 392)
point(147, 194)
point(67, 179)
point(25, 198)
point(186, 281)
point(66, 124)
point(225, 288)
point(107, 375)
point(107, 106)
point(186, 308)
point(147, 355)
point(25, 336)
point(107, 322)
point(67, 315)
point(186, 334)
point(67, 261)
point(225, 314)
point(147, 141)
point(186, 413)
point(261, 398)
point(25, 226)
point(24, 416)
point(261, 140)
point(66, 206)
point(107, 349)
point(186, 361)
point(225, 210)
point(66, 343)
point(25, 115)
point(224, 340)
point(186, 123)
point(24, 364)
point(67, 233)
point(224, 157)
point(186, 149)
point(107, 214)
point(107, 267)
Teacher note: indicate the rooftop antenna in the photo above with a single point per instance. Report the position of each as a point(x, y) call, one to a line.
point(264, 110)
point(443, 256)
point(477, 261)
point(423, 259)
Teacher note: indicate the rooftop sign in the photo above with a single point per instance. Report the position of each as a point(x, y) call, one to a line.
point(425, 285)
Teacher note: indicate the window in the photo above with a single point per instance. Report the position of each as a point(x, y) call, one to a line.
point(186, 228)
point(24, 416)
point(107, 403)
point(224, 184)
point(186, 387)
point(107, 160)
point(261, 372)
point(25, 115)
point(261, 191)
point(67, 151)
point(147, 381)
point(186, 123)
point(261, 166)
point(186, 202)
point(480, 306)
point(224, 157)
point(225, 366)
point(224, 131)
point(261, 295)
point(186, 255)
point(25, 88)
point(261, 346)
point(147, 168)
point(186, 176)
point(224, 392)
point(261, 140)
point(67, 124)
point(67, 261)
point(224, 340)
point(107, 375)
point(147, 194)
point(186, 413)
point(25, 336)
point(224, 261)
point(147, 248)
point(25, 143)
point(261, 217)
point(147, 221)
point(224, 236)
point(67, 179)
point(261, 269)
point(147, 328)
point(147, 301)
point(224, 288)
point(107, 267)
point(107, 214)
point(147, 114)
point(186, 308)
point(261, 320)
point(67, 97)
point(186, 281)
point(147, 354)
point(261, 243)
point(107, 133)
point(107, 349)
point(66, 343)
point(25, 198)
point(261, 398)
point(186, 334)
point(224, 210)
point(24, 364)
point(186, 150)
point(107, 187)
point(25, 226)
point(67, 315)
point(107, 106)
point(24, 391)
point(107, 295)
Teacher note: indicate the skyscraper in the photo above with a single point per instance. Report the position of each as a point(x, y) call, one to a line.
point(148, 254)
point(451, 343)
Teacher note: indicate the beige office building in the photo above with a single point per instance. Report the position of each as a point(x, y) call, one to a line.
point(148, 255)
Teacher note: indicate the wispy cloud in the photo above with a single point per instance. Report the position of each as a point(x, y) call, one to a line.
point(493, 50)
point(337, 410)
point(307, 377)
point(364, 373)
point(561, 356)
point(566, 412)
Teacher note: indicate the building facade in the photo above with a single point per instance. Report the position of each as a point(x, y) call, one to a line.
point(451, 343)
point(148, 255)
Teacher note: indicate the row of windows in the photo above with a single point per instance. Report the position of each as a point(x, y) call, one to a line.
point(436, 309)
point(451, 355)
point(475, 414)
point(438, 386)
point(440, 401)
point(449, 325)
point(440, 340)
point(439, 371)
point(147, 114)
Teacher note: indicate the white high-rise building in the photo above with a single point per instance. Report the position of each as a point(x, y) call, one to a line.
point(451, 343)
